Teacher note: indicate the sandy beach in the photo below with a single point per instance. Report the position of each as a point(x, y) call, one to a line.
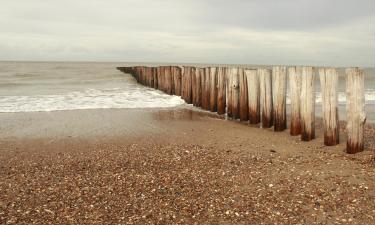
point(174, 166)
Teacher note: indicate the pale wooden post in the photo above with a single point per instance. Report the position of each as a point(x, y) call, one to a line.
point(355, 110)
point(229, 92)
point(328, 84)
point(221, 95)
point(295, 82)
point(253, 91)
point(265, 77)
point(243, 96)
point(213, 89)
point(279, 97)
point(308, 104)
point(235, 93)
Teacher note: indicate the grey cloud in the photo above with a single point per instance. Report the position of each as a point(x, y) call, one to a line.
point(212, 31)
point(286, 14)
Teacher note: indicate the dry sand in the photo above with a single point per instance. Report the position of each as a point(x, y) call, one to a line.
point(175, 167)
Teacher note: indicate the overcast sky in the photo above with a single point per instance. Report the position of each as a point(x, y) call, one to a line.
point(310, 32)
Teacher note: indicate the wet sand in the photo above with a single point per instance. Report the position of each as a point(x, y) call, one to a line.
point(170, 166)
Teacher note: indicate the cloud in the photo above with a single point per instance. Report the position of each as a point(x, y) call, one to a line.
point(247, 32)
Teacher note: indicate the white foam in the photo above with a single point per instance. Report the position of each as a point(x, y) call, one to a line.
point(369, 97)
point(90, 99)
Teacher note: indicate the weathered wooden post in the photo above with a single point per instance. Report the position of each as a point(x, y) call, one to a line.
point(279, 97)
point(265, 77)
point(243, 96)
point(155, 77)
point(196, 86)
point(150, 77)
point(221, 95)
point(159, 77)
point(206, 89)
point(168, 80)
point(355, 110)
point(177, 80)
point(140, 75)
point(253, 91)
point(308, 104)
point(328, 84)
point(295, 82)
point(233, 93)
point(186, 85)
point(213, 89)
point(202, 72)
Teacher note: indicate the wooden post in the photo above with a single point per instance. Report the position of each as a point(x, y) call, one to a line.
point(150, 77)
point(233, 93)
point(202, 72)
point(253, 91)
point(198, 87)
point(168, 80)
point(155, 77)
point(295, 79)
point(159, 79)
point(206, 89)
point(186, 85)
point(308, 104)
point(328, 85)
point(355, 110)
point(279, 97)
point(265, 77)
point(213, 89)
point(221, 95)
point(195, 86)
point(177, 80)
point(243, 96)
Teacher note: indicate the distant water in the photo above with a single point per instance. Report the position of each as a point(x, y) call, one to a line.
point(28, 87)
point(45, 86)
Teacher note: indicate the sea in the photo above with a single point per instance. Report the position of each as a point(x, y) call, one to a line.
point(51, 86)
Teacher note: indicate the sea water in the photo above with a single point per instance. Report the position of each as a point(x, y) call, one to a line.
point(50, 86)
point(30, 87)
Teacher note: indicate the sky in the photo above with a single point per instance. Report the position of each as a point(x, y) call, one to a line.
point(291, 32)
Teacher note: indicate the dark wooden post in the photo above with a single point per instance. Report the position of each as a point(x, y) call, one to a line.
point(186, 84)
point(205, 88)
point(196, 86)
point(221, 96)
point(177, 80)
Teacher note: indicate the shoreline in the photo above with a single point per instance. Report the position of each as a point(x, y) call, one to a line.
point(12, 124)
point(174, 166)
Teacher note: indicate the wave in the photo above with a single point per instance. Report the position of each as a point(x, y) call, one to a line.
point(369, 97)
point(90, 99)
